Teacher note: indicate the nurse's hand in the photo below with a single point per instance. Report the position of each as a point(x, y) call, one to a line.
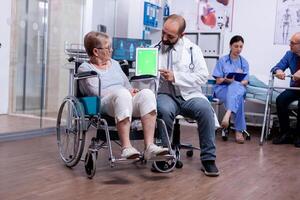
point(280, 74)
point(244, 82)
point(228, 80)
point(167, 74)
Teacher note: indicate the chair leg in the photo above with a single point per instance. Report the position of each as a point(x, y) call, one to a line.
point(248, 137)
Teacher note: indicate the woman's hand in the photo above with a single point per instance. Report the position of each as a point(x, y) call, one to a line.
point(224, 80)
point(244, 82)
point(133, 91)
point(229, 80)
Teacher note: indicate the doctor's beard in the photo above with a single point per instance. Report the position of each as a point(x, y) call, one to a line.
point(165, 48)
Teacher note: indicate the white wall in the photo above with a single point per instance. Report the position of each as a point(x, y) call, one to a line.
point(135, 19)
point(5, 10)
point(255, 21)
point(98, 12)
point(129, 18)
point(122, 14)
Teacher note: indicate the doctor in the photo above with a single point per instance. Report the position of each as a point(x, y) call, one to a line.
point(182, 72)
point(232, 92)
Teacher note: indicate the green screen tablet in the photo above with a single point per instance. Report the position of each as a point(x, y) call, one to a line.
point(146, 61)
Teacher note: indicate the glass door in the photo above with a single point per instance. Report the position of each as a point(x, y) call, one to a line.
point(28, 62)
point(30, 49)
point(40, 29)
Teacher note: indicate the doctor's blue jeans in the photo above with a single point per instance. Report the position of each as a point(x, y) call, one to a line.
point(196, 108)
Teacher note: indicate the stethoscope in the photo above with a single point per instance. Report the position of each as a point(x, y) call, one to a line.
point(191, 65)
point(230, 60)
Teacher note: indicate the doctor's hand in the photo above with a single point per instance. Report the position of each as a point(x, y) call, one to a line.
point(167, 74)
point(280, 74)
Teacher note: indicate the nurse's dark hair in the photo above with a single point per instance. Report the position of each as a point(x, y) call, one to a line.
point(235, 39)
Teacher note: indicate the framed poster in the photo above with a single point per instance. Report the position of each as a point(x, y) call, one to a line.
point(287, 20)
point(215, 14)
point(205, 15)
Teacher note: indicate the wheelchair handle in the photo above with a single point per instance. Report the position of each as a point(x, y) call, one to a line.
point(87, 74)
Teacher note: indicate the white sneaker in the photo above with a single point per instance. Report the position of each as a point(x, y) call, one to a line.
point(130, 153)
point(154, 150)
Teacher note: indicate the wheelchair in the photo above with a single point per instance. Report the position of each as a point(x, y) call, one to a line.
point(78, 113)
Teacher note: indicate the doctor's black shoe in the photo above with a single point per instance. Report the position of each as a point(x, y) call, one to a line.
point(209, 168)
point(297, 141)
point(283, 139)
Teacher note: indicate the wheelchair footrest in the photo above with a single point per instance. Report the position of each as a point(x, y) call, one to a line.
point(126, 161)
point(162, 158)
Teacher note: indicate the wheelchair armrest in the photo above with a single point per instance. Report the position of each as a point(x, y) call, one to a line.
point(142, 77)
point(143, 80)
point(88, 74)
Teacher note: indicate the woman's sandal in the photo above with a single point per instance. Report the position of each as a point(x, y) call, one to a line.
point(239, 138)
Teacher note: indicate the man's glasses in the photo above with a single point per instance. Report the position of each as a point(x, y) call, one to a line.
point(107, 48)
point(294, 43)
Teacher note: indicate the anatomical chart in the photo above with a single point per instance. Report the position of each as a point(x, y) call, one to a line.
point(215, 14)
point(287, 20)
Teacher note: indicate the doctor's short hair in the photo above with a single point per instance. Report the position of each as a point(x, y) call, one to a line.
point(235, 39)
point(180, 20)
point(93, 40)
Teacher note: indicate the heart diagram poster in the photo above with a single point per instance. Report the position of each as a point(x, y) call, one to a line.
point(204, 15)
point(287, 20)
point(215, 14)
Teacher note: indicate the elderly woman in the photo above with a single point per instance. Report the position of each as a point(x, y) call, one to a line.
point(229, 90)
point(118, 98)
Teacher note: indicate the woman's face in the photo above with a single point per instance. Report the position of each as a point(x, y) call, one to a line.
point(104, 53)
point(236, 48)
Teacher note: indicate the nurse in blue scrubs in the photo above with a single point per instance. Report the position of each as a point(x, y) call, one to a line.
point(230, 91)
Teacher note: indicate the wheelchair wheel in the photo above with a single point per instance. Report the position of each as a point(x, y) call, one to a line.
point(164, 166)
point(70, 130)
point(90, 164)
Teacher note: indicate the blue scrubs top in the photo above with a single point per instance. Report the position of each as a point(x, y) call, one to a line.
point(226, 65)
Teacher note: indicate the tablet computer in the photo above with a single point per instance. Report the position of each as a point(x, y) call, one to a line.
point(237, 76)
point(146, 61)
